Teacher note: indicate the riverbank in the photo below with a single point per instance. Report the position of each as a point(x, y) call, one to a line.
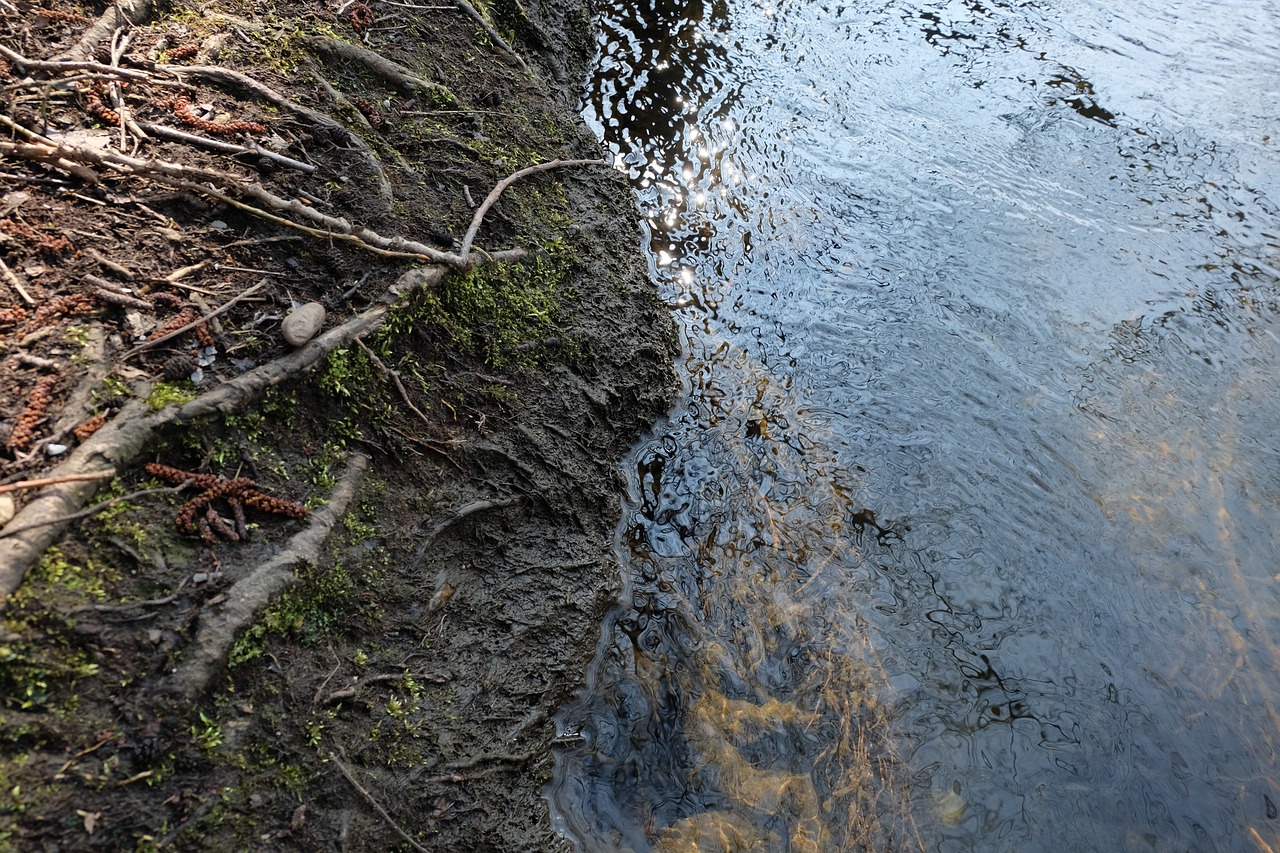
point(397, 695)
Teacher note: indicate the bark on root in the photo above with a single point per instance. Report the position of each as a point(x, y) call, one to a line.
point(218, 625)
point(39, 524)
point(119, 15)
point(381, 66)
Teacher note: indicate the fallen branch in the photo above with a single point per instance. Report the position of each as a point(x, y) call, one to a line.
point(337, 131)
point(225, 147)
point(99, 70)
point(492, 197)
point(368, 798)
point(196, 180)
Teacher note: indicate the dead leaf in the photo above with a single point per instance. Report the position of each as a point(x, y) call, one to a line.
point(299, 817)
point(13, 200)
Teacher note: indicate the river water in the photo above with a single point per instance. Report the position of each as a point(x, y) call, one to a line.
point(963, 533)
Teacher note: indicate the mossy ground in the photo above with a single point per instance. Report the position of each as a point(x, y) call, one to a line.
point(428, 666)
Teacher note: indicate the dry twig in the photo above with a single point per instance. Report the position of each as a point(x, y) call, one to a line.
point(50, 481)
point(16, 283)
point(490, 199)
point(368, 798)
point(225, 307)
point(84, 513)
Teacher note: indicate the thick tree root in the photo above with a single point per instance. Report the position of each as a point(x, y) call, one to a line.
point(123, 439)
point(77, 160)
point(381, 66)
point(219, 624)
point(121, 14)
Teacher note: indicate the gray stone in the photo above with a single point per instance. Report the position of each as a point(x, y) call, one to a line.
point(301, 324)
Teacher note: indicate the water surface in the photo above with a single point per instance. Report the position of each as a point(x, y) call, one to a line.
point(963, 534)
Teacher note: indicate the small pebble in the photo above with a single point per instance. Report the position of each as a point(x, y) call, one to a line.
point(301, 324)
point(7, 509)
point(55, 449)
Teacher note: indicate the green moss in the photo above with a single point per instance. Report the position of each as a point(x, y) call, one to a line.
point(490, 311)
point(358, 530)
point(206, 733)
point(116, 521)
point(57, 577)
point(113, 387)
point(304, 613)
point(348, 374)
point(170, 393)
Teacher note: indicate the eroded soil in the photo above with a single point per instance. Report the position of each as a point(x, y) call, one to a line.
point(398, 696)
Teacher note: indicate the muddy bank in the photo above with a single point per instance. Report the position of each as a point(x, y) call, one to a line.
point(398, 695)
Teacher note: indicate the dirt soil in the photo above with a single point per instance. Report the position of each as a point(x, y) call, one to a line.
point(395, 689)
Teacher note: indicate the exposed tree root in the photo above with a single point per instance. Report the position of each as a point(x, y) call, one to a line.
point(470, 11)
point(116, 445)
point(460, 514)
point(336, 131)
point(121, 14)
point(218, 625)
point(368, 798)
point(390, 71)
point(489, 201)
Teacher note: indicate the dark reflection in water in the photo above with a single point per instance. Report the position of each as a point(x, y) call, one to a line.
point(964, 534)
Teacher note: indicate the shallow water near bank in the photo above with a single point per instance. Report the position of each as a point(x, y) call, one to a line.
point(962, 535)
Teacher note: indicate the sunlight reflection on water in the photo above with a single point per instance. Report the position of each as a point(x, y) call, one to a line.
point(963, 534)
